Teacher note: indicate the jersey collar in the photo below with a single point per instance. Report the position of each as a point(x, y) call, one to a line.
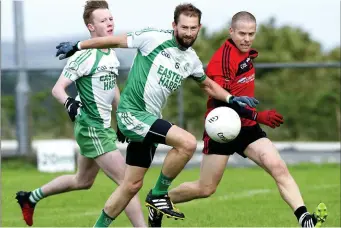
point(231, 42)
point(105, 53)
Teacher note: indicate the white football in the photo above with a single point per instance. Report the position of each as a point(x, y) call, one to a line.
point(223, 124)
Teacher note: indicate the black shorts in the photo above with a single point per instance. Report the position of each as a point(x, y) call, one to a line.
point(141, 154)
point(246, 136)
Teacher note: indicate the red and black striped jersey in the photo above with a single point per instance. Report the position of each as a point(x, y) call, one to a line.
point(234, 71)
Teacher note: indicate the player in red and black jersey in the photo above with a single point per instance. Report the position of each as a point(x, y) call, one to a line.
point(232, 68)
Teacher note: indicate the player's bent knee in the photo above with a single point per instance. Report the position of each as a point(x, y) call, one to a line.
point(85, 185)
point(207, 191)
point(189, 145)
point(181, 140)
point(132, 187)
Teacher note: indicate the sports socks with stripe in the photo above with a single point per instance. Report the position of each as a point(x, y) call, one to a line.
point(304, 217)
point(36, 195)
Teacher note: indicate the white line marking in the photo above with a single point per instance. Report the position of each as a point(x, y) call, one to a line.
point(240, 195)
point(250, 193)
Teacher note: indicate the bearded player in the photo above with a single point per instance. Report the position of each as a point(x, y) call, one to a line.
point(232, 68)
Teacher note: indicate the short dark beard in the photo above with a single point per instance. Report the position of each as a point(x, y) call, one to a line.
point(183, 44)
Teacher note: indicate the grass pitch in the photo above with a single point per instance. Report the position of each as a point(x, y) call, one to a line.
point(246, 197)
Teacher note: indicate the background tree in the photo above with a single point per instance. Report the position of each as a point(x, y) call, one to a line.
point(309, 99)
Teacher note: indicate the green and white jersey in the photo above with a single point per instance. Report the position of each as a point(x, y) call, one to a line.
point(94, 71)
point(158, 69)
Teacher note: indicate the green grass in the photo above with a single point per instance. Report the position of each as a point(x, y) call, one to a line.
point(245, 197)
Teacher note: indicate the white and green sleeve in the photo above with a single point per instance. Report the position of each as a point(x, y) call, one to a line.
point(142, 40)
point(198, 73)
point(77, 65)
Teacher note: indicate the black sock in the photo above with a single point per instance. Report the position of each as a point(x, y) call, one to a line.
point(300, 211)
point(304, 218)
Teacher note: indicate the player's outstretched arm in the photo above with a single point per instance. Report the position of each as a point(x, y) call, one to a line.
point(217, 92)
point(67, 49)
point(119, 41)
point(269, 118)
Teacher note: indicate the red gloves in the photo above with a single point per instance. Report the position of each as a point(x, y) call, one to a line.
point(270, 118)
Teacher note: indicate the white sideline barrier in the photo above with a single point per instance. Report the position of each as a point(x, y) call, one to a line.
point(59, 158)
point(282, 146)
point(52, 155)
point(60, 155)
point(12, 145)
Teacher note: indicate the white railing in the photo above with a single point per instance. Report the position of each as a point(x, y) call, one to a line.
point(60, 155)
point(11, 146)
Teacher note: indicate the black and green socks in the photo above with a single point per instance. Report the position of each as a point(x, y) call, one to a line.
point(162, 185)
point(36, 195)
point(103, 220)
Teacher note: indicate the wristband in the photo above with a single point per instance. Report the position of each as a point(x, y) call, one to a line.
point(228, 98)
point(79, 46)
point(255, 114)
point(66, 101)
